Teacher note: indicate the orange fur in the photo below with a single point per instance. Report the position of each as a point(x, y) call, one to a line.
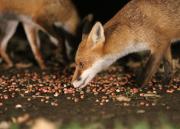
point(140, 25)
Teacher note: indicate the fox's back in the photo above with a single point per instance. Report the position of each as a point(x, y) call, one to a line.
point(22, 7)
point(42, 12)
point(149, 14)
point(54, 9)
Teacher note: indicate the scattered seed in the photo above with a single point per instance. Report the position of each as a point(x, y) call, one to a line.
point(170, 90)
point(1, 104)
point(76, 100)
point(56, 94)
point(109, 86)
point(18, 106)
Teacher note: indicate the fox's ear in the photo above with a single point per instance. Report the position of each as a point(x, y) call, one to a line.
point(87, 25)
point(97, 34)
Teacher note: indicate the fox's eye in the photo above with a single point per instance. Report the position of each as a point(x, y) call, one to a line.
point(81, 65)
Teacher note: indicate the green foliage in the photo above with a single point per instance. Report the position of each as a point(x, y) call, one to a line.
point(140, 125)
point(73, 125)
point(14, 126)
point(119, 126)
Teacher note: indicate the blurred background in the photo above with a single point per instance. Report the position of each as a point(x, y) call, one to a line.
point(102, 10)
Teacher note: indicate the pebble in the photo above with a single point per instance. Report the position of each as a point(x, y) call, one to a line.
point(42, 100)
point(76, 100)
point(97, 100)
point(101, 104)
point(142, 103)
point(140, 111)
point(56, 94)
point(107, 100)
point(170, 91)
point(82, 96)
point(68, 98)
point(46, 102)
point(153, 104)
point(126, 104)
point(29, 99)
point(1, 104)
point(118, 90)
point(167, 107)
point(6, 97)
point(147, 104)
point(18, 106)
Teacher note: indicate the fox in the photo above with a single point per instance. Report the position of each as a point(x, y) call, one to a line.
point(141, 25)
point(35, 16)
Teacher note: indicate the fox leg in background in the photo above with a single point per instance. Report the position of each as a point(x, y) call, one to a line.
point(168, 66)
point(153, 64)
point(7, 28)
point(67, 44)
point(58, 39)
point(33, 38)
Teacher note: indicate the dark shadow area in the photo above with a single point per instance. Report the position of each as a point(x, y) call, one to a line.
point(102, 10)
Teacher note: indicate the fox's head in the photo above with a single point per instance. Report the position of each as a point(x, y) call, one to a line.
point(90, 58)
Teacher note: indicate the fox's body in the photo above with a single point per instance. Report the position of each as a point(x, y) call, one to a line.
point(141, 25)
point(36, 15)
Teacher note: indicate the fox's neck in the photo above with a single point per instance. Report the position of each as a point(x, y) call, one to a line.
point(120, 42)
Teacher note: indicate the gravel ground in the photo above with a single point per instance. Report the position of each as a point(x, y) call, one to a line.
point(112, 95)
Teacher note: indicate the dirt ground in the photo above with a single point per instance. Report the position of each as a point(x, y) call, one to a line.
point(43, 94)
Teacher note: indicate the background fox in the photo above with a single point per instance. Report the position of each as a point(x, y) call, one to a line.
point(35, 15)
point(141, 25)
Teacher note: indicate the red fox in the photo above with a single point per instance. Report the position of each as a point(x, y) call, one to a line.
point(35, 15)
point(141, 25)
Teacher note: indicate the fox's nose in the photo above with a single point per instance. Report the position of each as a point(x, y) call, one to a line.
point(76, 79)
point(79, 79)
point(77, 75)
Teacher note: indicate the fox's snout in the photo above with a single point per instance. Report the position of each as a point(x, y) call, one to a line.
point(80, 78)
point(77, 79)
point(76, 75)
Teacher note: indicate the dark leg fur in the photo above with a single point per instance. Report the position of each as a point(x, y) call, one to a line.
point(168, 67)
point(152, 64)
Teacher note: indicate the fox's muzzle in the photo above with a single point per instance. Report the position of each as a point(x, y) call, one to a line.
point(76, 75)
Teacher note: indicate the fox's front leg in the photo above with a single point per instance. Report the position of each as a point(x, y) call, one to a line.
point(7, 29)
point(168, 66)
point(33, 38)
point(152, 64)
